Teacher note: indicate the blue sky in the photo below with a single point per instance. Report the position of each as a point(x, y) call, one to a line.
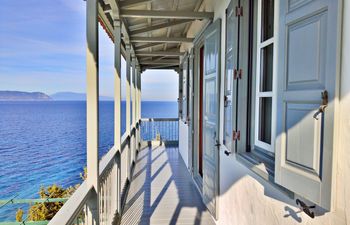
point(42, 48)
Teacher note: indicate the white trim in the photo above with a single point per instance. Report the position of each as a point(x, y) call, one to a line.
point(259, 94)
point(265, 43)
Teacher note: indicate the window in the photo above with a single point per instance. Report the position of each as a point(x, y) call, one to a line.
point(253, 94)
point(293, 160)
point(264, 76)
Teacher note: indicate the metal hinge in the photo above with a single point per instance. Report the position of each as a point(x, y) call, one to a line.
point(239, 11)
point(237, 74)
point(236, 135)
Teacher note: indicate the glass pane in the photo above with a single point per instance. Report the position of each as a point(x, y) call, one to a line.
point(228, 102)
point(210, 54)
point(265, 114)
point(267, 18)
point(230, 31)
point(266, 68)
point(210, 99)
point(228, 74)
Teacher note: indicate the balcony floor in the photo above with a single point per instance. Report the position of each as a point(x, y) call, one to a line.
point(162, 191)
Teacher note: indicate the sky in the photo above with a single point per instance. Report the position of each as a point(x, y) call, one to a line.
point(42, 48)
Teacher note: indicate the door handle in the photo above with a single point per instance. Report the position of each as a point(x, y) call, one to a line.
point(321, 109)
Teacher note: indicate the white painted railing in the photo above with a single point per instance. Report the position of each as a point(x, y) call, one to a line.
point(165, 129)
point(114, 168)
point(74, 210)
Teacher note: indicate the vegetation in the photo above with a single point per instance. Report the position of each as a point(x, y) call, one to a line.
point(19, 215)
point(47, 210)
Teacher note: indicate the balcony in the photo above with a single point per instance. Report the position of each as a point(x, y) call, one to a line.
point(253, 151)
point(159, 190)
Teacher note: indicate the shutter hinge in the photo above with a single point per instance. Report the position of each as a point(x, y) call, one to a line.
point(237, 74)
point(236, 135)
point(239, 11)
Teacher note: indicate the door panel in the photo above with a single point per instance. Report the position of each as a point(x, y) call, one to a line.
point(211, 113)
point(307, 67)
point(303, 137)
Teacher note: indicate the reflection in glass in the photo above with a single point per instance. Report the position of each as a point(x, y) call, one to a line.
point(210, 54)
point(267, 19)
point(266, 68)
point(265, 114)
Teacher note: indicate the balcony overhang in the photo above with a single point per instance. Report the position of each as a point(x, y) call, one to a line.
point(154, 28)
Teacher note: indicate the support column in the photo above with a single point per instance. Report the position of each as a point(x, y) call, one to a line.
point(117, 103)
point(128, 111)
point(133, 91)
point(92, 125)
point(139, 102)
point(133, 122)
point(137, 109)
point(139, 93)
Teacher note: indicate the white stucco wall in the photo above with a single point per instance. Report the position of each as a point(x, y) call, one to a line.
point(247, 199)
point(183, 141)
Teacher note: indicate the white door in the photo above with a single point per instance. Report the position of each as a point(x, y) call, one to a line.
point(211, 115)
point(307, 67)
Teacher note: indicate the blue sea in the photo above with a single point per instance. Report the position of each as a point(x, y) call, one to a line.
point(44, 143)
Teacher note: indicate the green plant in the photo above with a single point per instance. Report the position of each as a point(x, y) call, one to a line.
point(47, 210)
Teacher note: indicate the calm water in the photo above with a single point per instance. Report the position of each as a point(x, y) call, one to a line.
point(44, 143)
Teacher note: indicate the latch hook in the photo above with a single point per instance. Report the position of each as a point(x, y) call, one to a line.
point(321, 109)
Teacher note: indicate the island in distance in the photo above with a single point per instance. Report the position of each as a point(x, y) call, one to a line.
point(23, 96)
point(40, 96)
point(73, 96)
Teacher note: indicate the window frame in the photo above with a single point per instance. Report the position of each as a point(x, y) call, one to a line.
point(260, 45)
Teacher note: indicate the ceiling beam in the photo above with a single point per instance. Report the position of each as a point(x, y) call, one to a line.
point(166, 14)
point(161, 39)
point(159, 26)
point(128, 3)
point(160, 53)
point(161, 62)
point(147, 46)
point(160, 67)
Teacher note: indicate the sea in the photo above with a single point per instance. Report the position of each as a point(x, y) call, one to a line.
point(44, 143)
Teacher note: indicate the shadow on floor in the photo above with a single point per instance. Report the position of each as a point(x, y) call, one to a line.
point(162, 191)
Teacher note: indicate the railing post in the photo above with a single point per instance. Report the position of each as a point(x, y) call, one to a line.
point(128, 117)
point(92, 92)
point(117, 103)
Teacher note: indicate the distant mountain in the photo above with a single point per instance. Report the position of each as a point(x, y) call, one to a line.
point(23, 96)
point(72, 96)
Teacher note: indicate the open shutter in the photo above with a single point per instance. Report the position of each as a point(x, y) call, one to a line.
point(307, 66)
point(231, 75)
point(211, 113)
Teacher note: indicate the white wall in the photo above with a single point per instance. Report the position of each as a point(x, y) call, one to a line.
point(183, 141)
point(246, 198)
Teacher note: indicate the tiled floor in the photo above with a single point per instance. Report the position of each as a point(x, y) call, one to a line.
point(162, 191)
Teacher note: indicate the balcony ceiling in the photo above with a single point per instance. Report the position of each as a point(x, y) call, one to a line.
point(156, 29)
